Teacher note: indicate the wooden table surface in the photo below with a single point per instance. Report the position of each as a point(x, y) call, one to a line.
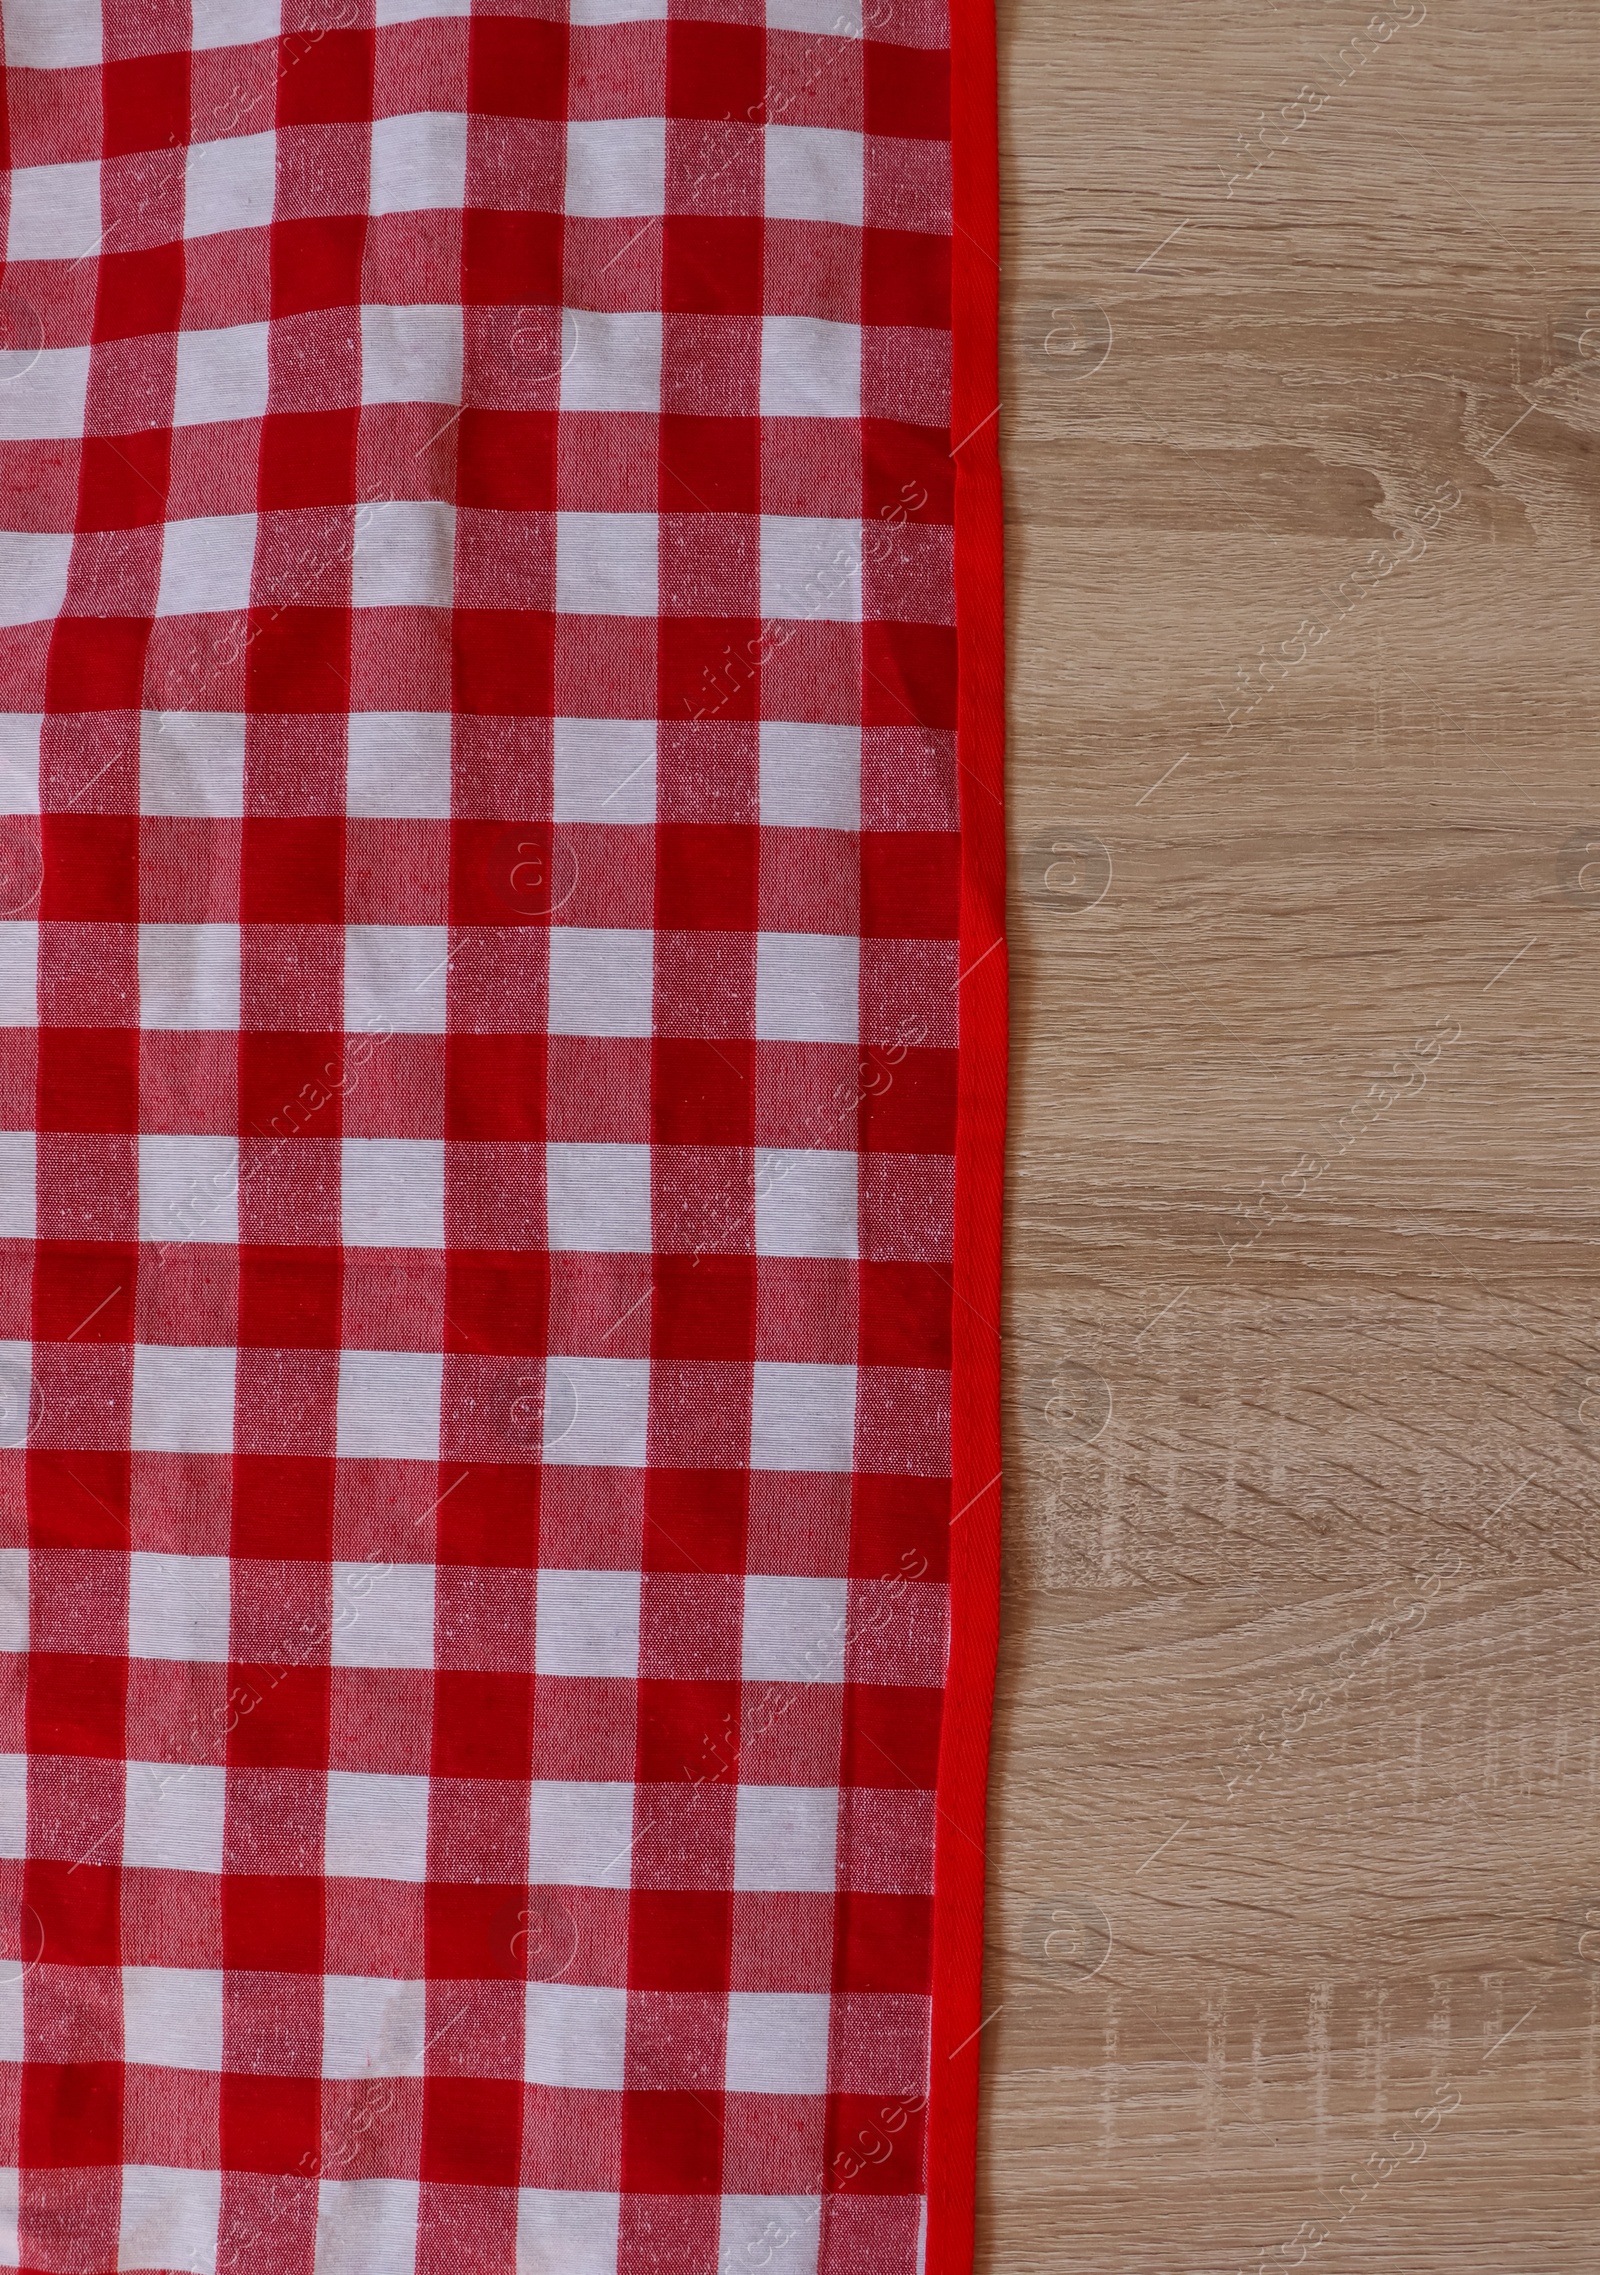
point(1294, 1933)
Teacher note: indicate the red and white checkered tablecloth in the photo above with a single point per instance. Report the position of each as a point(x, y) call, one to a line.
point(500, 1062)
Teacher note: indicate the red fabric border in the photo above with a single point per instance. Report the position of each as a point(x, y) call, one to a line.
point(980, 1150)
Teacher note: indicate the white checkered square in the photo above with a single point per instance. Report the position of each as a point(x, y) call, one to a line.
point(398, 766)
point(206, 564)
point(55, 210)
point(19, 973)
point(18, 1166)
point(615, 364)
point(574, 2036)
point(172, 1817)
point(419, 160)
point(580, 1835)
point(605, 770)
point(795, 1630)
point(786, 1838)
point(785, 2230)
point(372, 2026)
point(46, 400)
point(395, 980)
point(13, 1599)
point(376, 1826)
point(17, 1412)
point(172, 2017)
point(389, 1405)
point(178, 1606)
point(222, 374)
point(616, 167)
point(612, 1426)
point(811, 569)
point(810, 368)
point(573, 2230)
point(235, 23)
point(19, 762)
point(382, 1615)
point(365, 2225)
point(33, 575)
point(52, 35)
point(13, 1805)
point(808, 987)
point(601, 981)
point(806, 1204)
point(182, 1399)
point(814, 173)
point(802, 1415)
point(13, 2048)
point(777, 2041)
point(810, 776)
point(597, 1197)
point(841, 19)
point(587, 1624)
point(392, 1192)
point(191, 763)
point(169, 2218)
point(411, 355)
point(230, 184)
point(188, 1188)
point(606, 564)
point(189, 975)
point(404, 555)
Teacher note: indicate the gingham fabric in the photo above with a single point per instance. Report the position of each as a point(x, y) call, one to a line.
point(478, 980)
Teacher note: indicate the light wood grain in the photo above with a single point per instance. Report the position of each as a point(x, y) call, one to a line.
point(1378, 1878)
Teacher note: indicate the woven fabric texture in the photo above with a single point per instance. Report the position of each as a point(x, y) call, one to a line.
point(479, 877)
